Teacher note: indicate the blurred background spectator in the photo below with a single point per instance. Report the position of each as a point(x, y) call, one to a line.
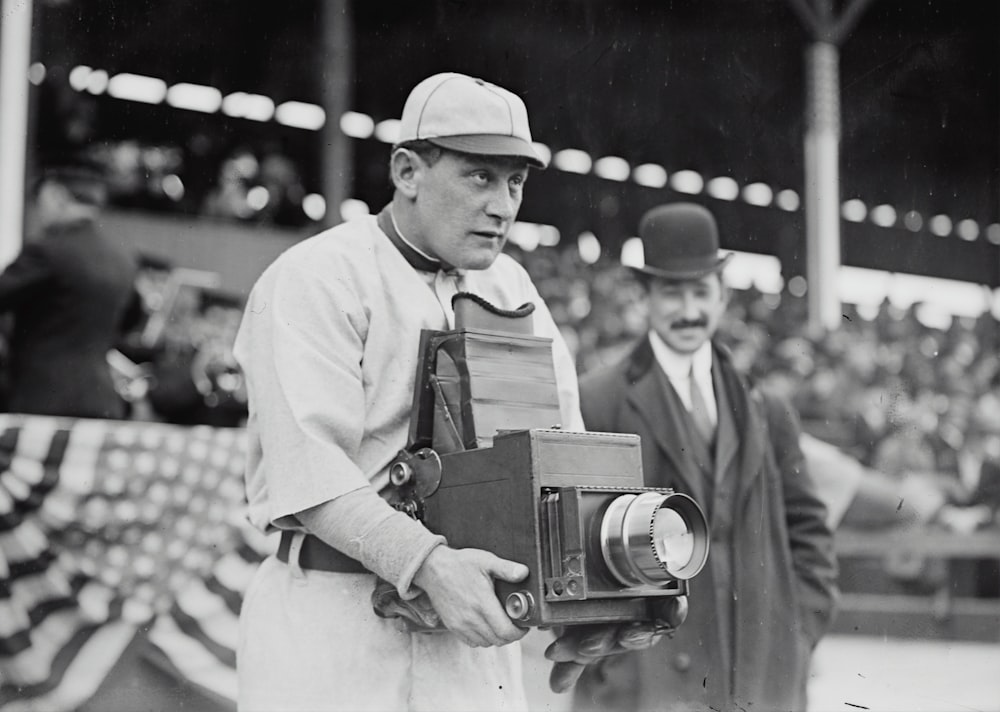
point(182, 370)
point(68, 297)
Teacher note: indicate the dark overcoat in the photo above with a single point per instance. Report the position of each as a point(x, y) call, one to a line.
point(69, 292)
point(768, 591)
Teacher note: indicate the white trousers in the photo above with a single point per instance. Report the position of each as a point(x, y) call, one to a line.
point(309, 640)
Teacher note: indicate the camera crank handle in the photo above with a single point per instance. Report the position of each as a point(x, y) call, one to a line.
point(420, 470)
point(415, 476)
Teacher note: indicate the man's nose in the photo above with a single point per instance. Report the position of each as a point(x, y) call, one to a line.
point(502, 205)
point(690, 306)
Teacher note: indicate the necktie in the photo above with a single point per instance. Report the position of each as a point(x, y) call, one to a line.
point(699, 411)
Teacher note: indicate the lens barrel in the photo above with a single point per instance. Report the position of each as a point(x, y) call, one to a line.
point(653, 539)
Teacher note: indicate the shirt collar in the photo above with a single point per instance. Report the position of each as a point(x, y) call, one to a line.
point(678, 367)
point(417, 258)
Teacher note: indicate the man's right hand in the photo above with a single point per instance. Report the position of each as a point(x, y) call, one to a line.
point(459, 583)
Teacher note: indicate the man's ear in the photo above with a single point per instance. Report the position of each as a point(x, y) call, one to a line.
point(406, 169)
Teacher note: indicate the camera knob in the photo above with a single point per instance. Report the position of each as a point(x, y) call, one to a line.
point(400, 473)
point(519, 605)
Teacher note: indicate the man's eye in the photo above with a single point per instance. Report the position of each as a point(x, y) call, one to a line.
point(481, 178)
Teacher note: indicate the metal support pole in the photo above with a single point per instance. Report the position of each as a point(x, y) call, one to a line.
point(338, 77)
point(822, 185)
point(15, 58)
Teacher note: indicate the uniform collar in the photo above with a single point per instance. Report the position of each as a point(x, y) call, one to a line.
point(417, 259)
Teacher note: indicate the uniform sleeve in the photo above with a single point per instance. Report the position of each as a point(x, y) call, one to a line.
point(25, 277)
point(301, 345)
point(810, 536)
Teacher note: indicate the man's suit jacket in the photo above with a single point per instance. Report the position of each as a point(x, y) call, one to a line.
point(767, 593)
point(69, 292)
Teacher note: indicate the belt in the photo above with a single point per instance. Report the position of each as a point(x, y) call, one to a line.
point(319, 556)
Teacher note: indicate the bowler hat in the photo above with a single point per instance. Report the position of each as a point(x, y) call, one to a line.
point(680, 241)
point(468, 115)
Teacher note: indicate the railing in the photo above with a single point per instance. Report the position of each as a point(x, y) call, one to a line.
point(937, 613)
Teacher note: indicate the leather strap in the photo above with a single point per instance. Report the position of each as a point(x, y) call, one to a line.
point(316, 555)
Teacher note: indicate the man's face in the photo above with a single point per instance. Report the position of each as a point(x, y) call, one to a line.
point(686, 313)
point(465, 205)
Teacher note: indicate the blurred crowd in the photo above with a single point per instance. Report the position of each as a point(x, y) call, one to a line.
point(261, 185)
point(896, 393)
point(256, 177)
point(901, 398)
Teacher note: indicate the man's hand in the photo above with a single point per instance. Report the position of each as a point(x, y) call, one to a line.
point(582, 645)
point(459, 583)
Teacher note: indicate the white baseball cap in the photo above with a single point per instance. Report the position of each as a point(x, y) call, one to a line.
point(468, 115)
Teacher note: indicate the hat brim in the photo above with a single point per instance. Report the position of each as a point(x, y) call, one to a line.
point(490, 145)
point(685, 273)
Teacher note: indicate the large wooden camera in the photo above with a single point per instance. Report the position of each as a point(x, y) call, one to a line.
point(488, 467)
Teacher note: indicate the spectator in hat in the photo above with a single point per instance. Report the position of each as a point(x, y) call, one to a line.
point(70, 293)
point(329, 345)
point(767, 594)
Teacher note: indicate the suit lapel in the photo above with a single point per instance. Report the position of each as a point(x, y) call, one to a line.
point(727, 439)
point(749, 432)
point(645, 395)
point(756, 440)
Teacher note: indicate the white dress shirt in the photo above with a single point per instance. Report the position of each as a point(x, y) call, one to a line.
point(679, 369)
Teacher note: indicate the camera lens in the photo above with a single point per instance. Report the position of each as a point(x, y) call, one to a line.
point(653, 538)
point(673, 539)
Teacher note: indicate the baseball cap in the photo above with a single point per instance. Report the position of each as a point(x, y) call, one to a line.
point(469, 115)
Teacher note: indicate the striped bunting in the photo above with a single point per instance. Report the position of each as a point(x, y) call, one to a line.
point(111, 528)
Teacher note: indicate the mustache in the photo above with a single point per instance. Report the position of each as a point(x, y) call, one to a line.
point(690, 324)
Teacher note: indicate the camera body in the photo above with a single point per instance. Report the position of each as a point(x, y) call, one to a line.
point(488, 468)
point(547, 498)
